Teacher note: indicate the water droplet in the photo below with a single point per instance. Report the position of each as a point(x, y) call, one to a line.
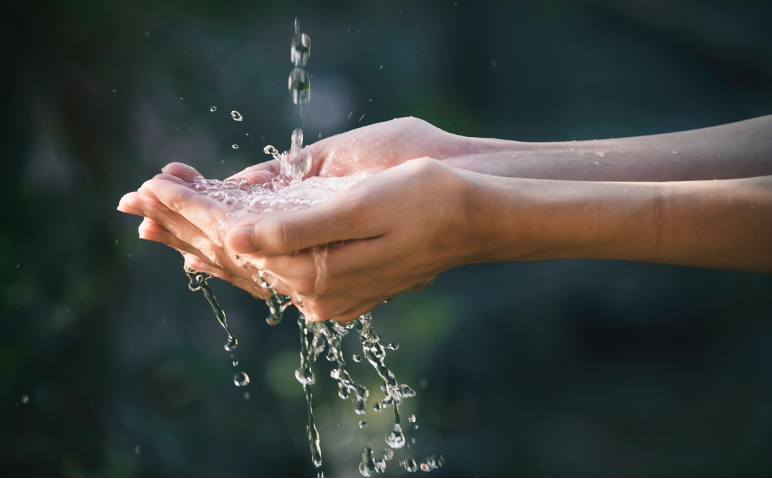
point(214, 108)
point(300, 49)
point(356, 357)
point(235, 363)
point(24, 399)
point(240, 379)
point(231, 344)
point(600, 154)
point(235, 146)
point(396, 438)
point(236, 115)
point(362, 424)
point(409, 465)
point(361, 118)
point(411, 418)
point(299, 86)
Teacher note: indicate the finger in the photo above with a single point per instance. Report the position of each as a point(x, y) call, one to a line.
point(151, 231)
point(199, 210)
point(128, 204)
point(179, 227)
point(181, 170)
point(338, 219)
point(259, 174)
point(316, 267)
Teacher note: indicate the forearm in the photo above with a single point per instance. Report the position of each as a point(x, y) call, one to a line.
point(723, 224)
point(736, 150)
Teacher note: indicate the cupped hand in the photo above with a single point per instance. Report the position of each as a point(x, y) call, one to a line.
point(392, 232)
point(371, 148)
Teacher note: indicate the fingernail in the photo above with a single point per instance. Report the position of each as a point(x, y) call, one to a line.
point(241, 239)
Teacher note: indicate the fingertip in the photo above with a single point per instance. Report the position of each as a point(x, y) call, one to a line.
point(181, 170)
point(127, 204)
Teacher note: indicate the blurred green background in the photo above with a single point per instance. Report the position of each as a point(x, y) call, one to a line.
point(568, 368)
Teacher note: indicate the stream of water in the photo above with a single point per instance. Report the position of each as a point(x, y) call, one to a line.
point(289, 192)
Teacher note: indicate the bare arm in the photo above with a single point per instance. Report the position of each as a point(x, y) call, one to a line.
point(715, 224)
point(735, 150)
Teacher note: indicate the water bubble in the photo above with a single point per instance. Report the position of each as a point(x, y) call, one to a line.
point(356, 357)
point(246, 395)
point(300, 49)
point(235, 146)
point(409, 465)
point(388, 454)
point(231, 344)
point(370, 465)
point(136, 450)
point(241, 379)
point(299, 86)
point(214, 108)
point(600, 154)
point(377, 407)
point(236, 115)
point(235, 363)
point(396, 438)
point(305, 376)
point(362, 424)
point(411, 418)
point(24, 399)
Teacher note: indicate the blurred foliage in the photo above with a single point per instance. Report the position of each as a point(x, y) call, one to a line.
point(558, 369)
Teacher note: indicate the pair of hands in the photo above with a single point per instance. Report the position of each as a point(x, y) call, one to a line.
point(392, 232)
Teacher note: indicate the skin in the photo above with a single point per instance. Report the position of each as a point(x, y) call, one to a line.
point(698, 198)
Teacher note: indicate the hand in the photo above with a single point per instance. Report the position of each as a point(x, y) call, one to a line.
point(390, 233)
point(363, 246)
point(371, 148)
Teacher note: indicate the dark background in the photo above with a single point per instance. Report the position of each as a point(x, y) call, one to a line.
point(558, 368)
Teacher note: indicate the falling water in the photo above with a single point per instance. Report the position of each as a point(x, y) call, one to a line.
point(289, 192)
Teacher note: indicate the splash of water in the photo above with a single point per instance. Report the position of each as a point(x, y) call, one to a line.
point(290, 192)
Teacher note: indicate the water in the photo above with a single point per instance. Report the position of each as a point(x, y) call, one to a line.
point(198, 282)
point(299, 85)
point(290, 192)
point(370, 465)
point(300, 49)
point(240, 379)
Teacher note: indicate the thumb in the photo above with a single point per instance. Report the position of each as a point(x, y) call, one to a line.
point(290, 231)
